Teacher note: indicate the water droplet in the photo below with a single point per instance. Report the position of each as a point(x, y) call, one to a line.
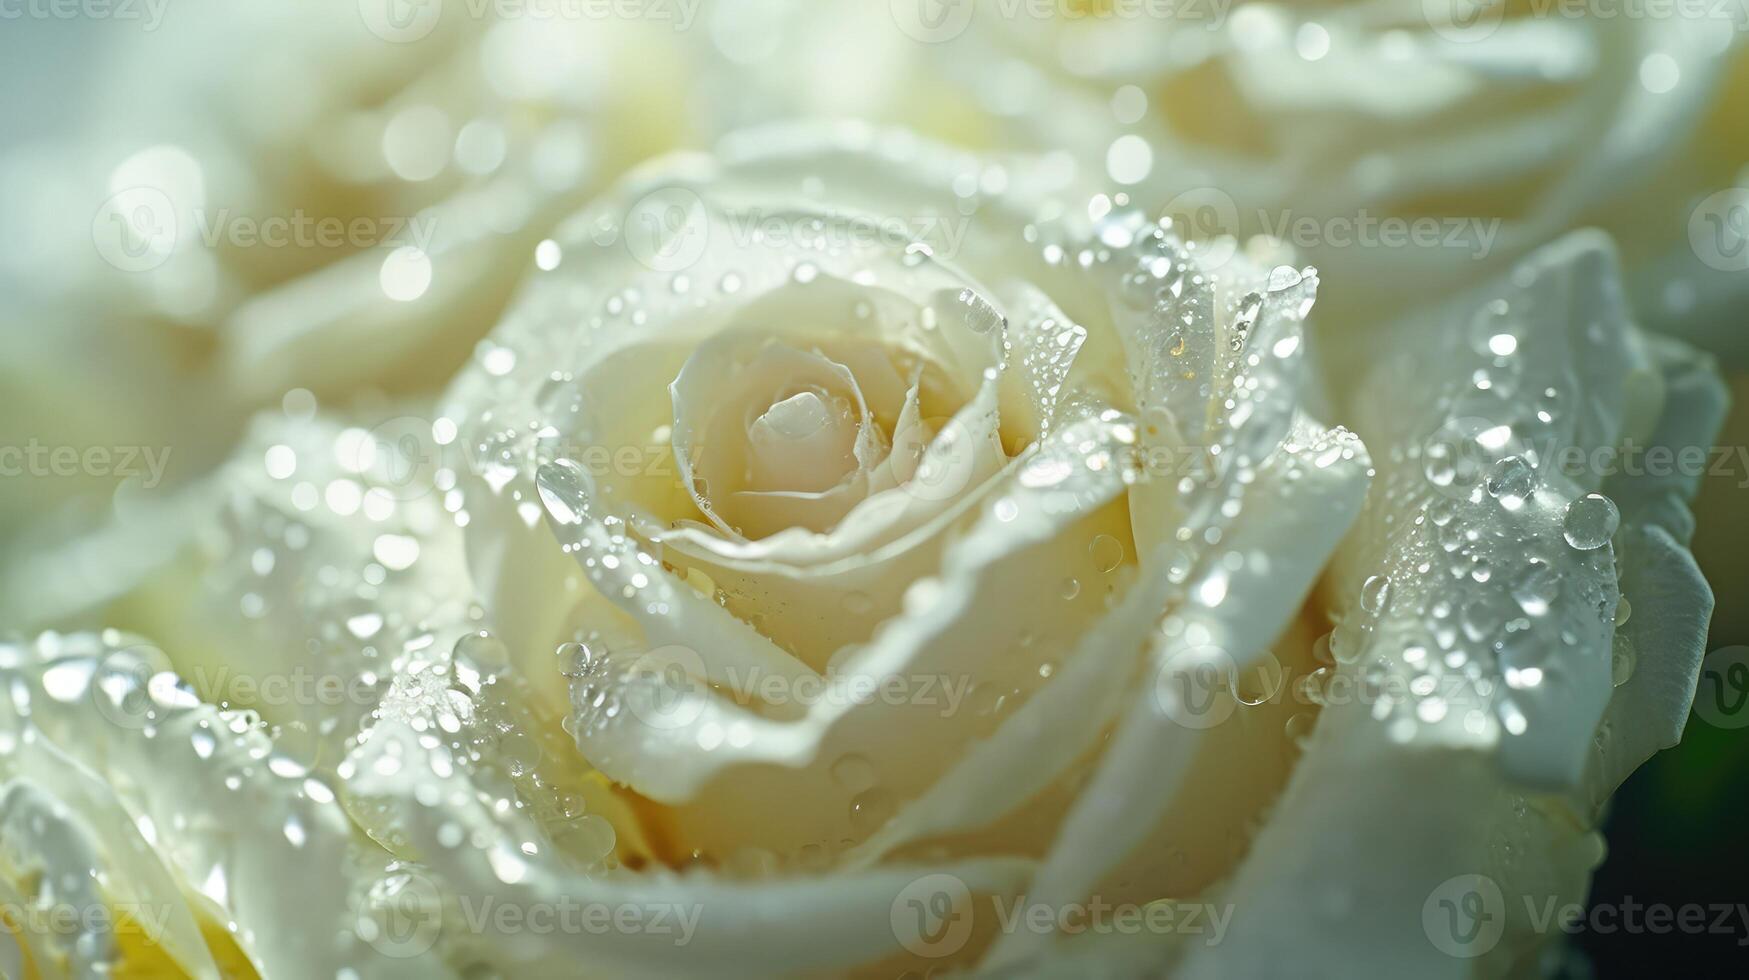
point(1511, 481)
point(1536, 587)
point(855, 773)
point(1107, 552)
point(1621, 663)
point(1299, 727)
point(1590, 522)
point(1249, 307)
point(67, 681)
point(483, 650)
point(1375, 592)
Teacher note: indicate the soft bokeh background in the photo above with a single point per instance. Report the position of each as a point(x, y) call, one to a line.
point(81, 364)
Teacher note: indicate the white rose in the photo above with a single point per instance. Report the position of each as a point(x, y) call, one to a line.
point(913, 420)
point(1404, 147)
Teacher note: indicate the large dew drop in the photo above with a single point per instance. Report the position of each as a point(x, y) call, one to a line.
point(1590, 522)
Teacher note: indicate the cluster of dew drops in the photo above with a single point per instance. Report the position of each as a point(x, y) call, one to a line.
point(1511, 621)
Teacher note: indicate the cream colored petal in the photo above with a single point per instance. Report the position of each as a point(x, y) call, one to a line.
point(1427, 815)
point(1039, 740)
point(264, 844)
point(795, 924)
point(741, 470)
point(1400, 839)
point(1661, 644)
point(1051, 493)
point(1464, 561)
point(1228, 613)
point(408, 311)
point(853, 577)
point(139, 909)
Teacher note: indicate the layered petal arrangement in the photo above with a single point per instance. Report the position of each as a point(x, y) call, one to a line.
point(971, 547)
point(846, 546)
